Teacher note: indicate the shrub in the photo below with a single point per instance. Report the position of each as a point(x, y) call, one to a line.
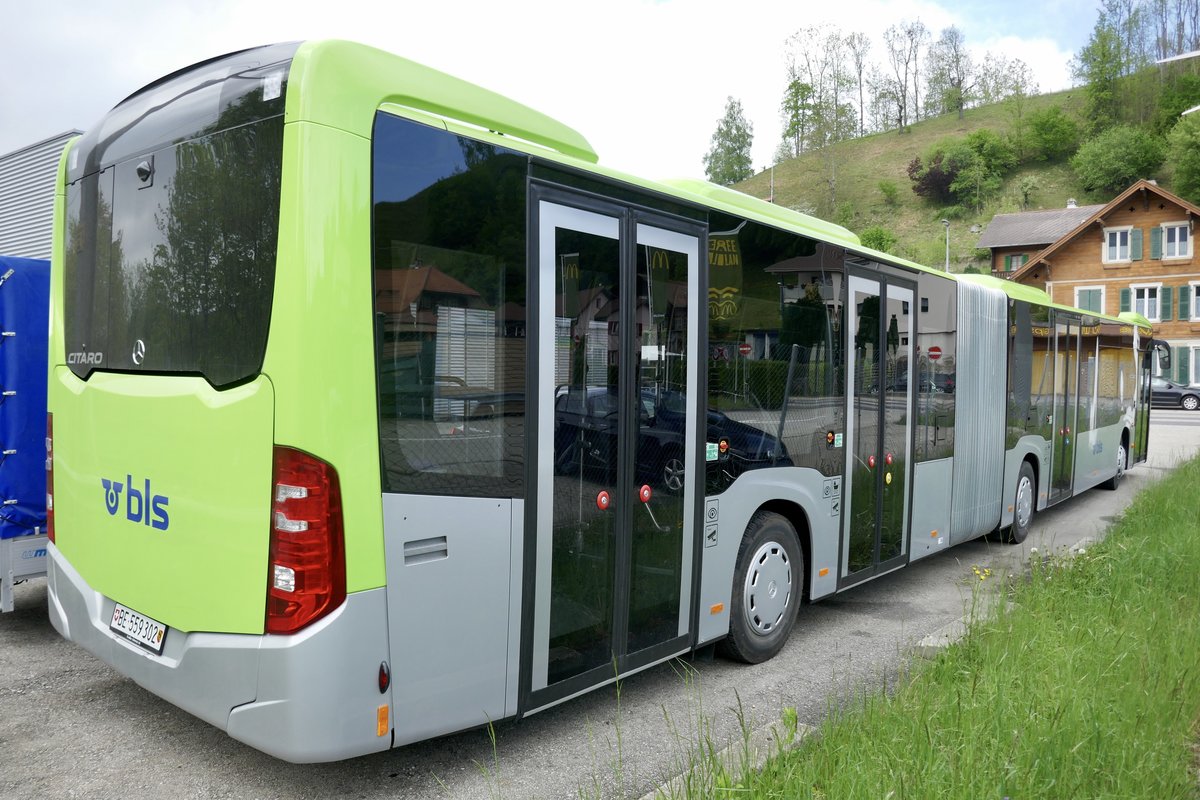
point(889, 191)
point(878, 238)
point(1053, 136)
point(1116, 158)
point(1184, 144)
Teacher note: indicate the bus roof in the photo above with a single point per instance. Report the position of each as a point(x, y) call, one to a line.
point(334, 81)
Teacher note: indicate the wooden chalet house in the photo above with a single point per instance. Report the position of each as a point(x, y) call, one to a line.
point(1015, 238)
point(1135, 253)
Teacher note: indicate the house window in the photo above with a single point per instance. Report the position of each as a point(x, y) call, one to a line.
point(1015, 261)
point(1090, 298)
point(1194, 303)
point(1177, 240)
point(1116, 244)
point(1145, 301)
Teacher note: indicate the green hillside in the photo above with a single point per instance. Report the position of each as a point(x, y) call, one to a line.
point(860, 164)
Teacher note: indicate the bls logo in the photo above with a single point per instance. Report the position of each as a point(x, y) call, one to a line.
point(140, 505)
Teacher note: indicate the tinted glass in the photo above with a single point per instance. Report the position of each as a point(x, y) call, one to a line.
point(170, 254)
point(775, 361)
point(936, 372)
point(449, 261)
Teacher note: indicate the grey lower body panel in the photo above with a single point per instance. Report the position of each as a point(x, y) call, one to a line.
point(308, 697)
point(930, 530)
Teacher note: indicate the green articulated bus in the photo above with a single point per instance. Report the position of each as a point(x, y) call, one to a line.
point(379, 410)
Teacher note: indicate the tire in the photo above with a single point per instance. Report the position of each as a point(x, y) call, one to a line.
point(1122, 463)
point(1024, 503)
point(767, 584)
point(672, 473)
point(1189, 402)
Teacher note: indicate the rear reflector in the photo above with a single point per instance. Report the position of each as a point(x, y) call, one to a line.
point(50, 477)
point(307, 577)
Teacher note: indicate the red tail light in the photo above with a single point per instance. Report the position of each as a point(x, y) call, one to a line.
point(50, 476)
point(307, 571)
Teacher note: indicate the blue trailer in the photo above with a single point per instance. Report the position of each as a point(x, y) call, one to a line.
point(24, 327)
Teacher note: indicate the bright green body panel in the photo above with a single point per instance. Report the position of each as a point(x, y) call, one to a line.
point(320, 356)
point(208, 453)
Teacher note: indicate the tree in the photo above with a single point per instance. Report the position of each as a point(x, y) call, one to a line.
point(903, 43)
point(950, 74)
point(728, 160)
point(1184, 149)
point(797, 111)
point(1098, 66)
point(859, 45)
point(1114, 159)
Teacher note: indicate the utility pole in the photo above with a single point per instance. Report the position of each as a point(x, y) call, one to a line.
point(946, 223)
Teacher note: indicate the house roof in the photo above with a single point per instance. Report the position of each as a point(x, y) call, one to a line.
point(1034, 227)
point(1098, 216)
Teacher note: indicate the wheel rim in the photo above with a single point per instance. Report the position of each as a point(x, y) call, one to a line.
point(1121, 462)
point(673, 474)
point(767, 594)
point(1024, 501)
point(1190, 403)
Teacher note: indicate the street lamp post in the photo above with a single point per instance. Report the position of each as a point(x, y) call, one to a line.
point(946, 223)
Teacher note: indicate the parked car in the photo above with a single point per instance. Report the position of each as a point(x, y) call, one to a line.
point(1164, 394)
point(585, 434)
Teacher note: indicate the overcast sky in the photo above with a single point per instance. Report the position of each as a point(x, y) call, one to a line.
point(645, 82)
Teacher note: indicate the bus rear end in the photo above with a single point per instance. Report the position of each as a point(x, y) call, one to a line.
point(199, 531)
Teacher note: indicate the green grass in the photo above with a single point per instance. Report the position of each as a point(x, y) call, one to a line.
point(1086, 685)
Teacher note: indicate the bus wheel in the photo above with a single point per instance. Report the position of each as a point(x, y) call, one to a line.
point(767, 584)
point(1023, 506)
point(1115, 480)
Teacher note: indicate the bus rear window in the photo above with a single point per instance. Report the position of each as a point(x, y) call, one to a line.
point(170, 252)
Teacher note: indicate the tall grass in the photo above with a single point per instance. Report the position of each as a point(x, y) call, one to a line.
point(1086, 685)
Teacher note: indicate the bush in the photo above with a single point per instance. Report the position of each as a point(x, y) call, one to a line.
point(1053, 135)
point(1184, 144)
point(889, 191)
point(965, 171)
point(845, 214)
point(1116, 158)
point(878, 238)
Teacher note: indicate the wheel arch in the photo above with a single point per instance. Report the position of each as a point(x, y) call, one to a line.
point(796, 515)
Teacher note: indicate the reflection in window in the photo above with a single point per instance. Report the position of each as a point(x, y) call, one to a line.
point(449, 233)
point(775, 374)
point(936, 372)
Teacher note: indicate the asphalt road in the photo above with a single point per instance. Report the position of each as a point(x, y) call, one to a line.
point(71, 727)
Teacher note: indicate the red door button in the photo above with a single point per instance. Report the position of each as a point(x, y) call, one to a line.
point(603, 501)
point(644, 493)
point(871, 462)
point(888, 459)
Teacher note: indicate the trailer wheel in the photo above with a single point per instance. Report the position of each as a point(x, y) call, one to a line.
point(767, 584)
point(1023, 505)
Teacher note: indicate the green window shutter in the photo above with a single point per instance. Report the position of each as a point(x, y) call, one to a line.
point(1008, 263)
point(1164, 304)
point(1156, 243)
point(1135, 244)
point(1185, 302)
point(1024, 259)
point(1124, 299)
point(1180, 357)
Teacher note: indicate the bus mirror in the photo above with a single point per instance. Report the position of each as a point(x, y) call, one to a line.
point(1164, 356)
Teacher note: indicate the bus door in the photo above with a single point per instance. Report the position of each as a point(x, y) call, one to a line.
point(880, 382)
point(1066, 404)
point(611, 543)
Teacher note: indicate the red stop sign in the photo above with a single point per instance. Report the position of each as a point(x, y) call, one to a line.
point(935, 353)
point(744, 348)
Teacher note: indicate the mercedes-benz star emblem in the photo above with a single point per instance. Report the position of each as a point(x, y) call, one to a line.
point(139, 352)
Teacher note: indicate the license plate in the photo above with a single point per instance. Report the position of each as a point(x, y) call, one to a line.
point(139, 628)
